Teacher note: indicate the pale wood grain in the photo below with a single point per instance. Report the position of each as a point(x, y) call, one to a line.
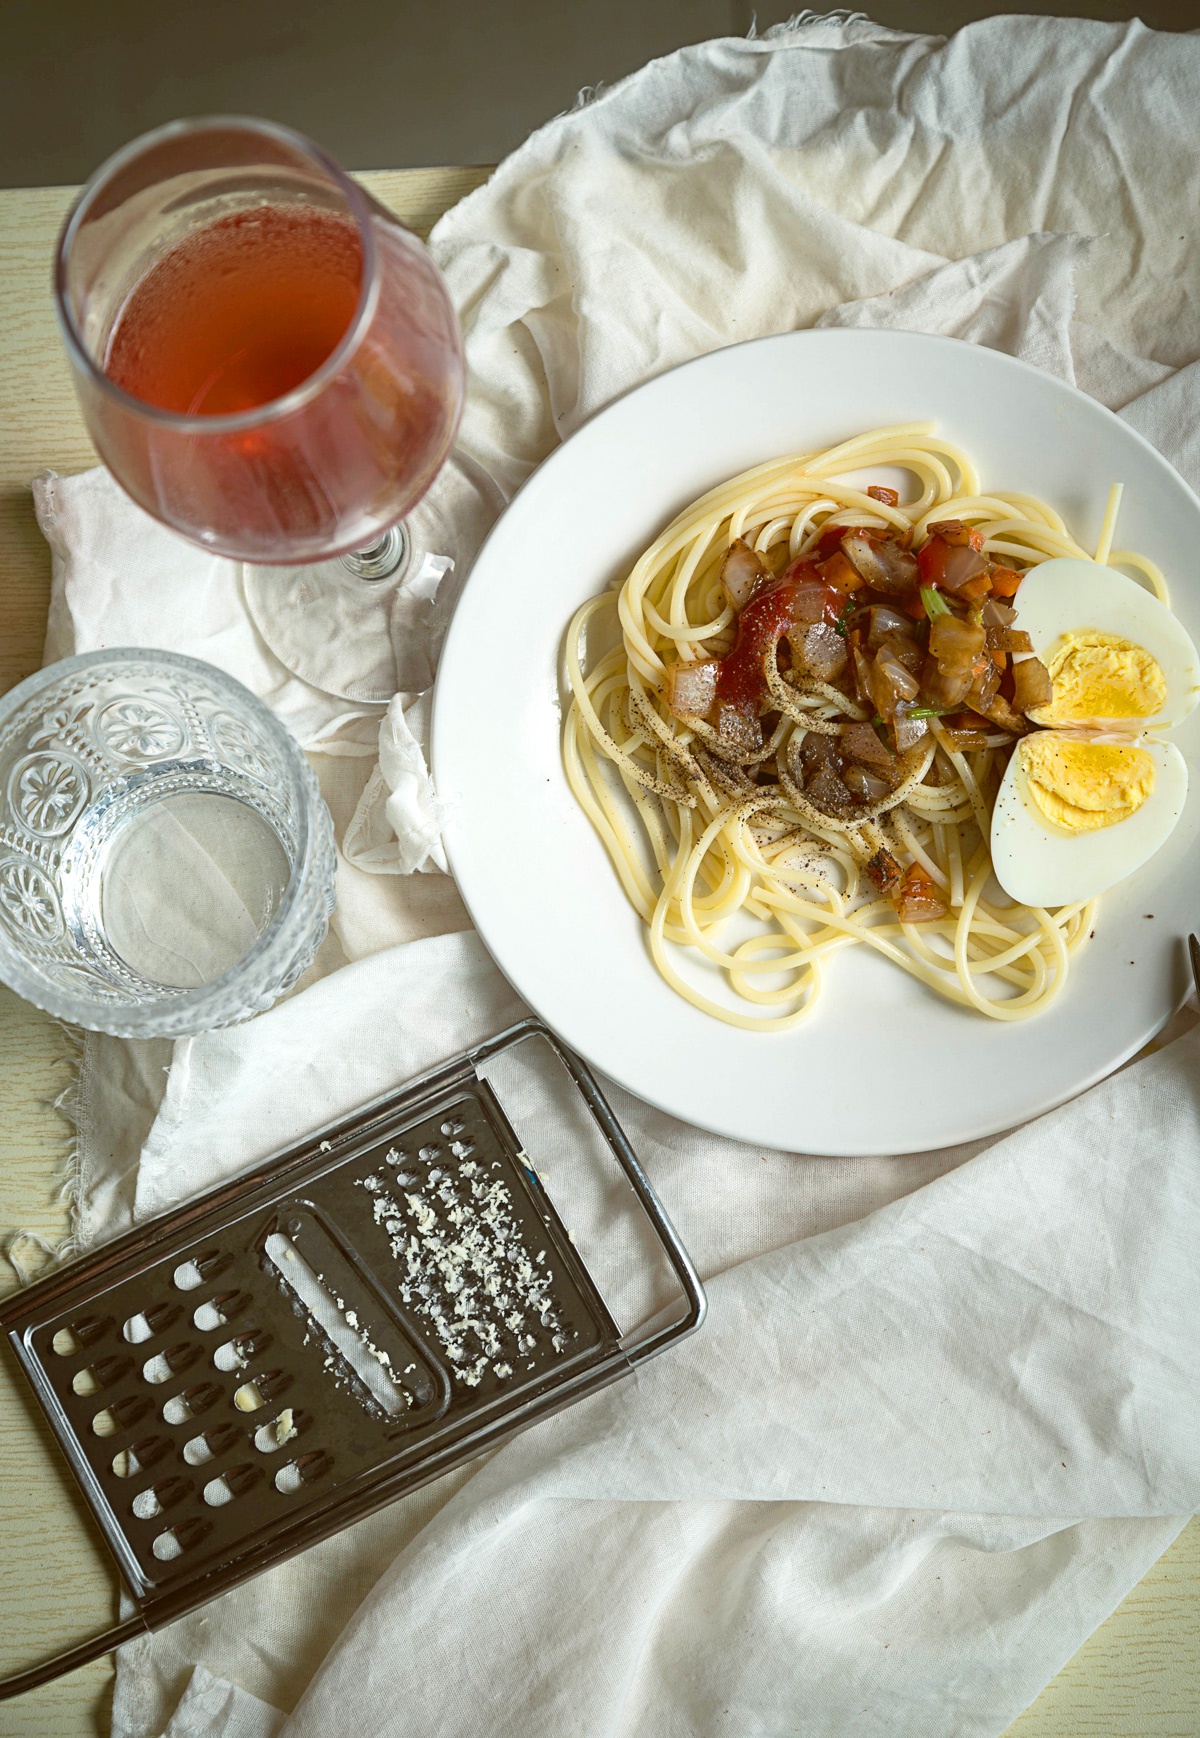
point(1137, 1677)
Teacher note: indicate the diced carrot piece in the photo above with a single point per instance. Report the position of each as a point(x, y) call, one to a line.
point(1005, 581)
point(975, 588)
point(841, 573)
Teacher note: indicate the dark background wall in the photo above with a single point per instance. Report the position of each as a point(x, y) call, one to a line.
point(381, 83)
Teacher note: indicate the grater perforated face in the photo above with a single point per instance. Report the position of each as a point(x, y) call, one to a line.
point(263, 1366)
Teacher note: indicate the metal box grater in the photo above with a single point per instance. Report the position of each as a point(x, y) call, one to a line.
point(268, 1363)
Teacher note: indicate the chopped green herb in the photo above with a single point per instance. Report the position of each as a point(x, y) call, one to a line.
point(935, 603)
point(929, 711)
point(848, 609)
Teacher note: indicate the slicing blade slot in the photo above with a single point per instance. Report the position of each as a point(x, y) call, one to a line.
point(396, 1376)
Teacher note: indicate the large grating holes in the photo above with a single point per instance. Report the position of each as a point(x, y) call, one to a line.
point(304, 1470)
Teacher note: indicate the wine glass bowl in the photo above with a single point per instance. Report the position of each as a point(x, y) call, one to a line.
point(266, 359)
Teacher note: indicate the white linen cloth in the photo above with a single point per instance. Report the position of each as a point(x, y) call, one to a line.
point(943, 1414)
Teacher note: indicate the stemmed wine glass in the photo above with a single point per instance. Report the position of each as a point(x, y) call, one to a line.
point(266, 359)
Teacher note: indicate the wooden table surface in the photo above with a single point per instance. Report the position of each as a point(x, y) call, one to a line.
point(1137, 1677)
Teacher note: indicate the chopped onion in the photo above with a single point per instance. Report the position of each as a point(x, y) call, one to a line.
point(945, 685)
point(885, 621)
point(692, 688)
point(862, 676)
point(891, 681)
point(956, 642)
point(809, 602)
point(902, 569)
point(996, 614)
point(961, 566)
point(998, 711)
point(1031, 684)
point(826, 790)
point(861, 742)
point(1008, 640)
point(862, 554)
point(920, 899)
point(822, 651)
point(885, 566)
point(818, 750)
point(906, 650)
point(737, 729)
point(863, 784)
point(906, 729)
point(984, 687)
point(742, 572)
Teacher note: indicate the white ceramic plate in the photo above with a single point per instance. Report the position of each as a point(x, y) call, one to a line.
point(883, 1065)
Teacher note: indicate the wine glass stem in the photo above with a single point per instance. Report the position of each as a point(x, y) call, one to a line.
point(380, 559)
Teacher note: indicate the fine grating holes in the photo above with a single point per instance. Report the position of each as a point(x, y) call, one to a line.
point(86, 1382)
point(453, 1127)
point(66, 1343)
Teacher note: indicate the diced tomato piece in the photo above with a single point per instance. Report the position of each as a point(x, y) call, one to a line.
point(885, 497)
point(931, 560)
point(1005, 581)
point(829, 541)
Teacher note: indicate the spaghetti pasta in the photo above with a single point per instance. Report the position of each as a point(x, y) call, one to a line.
point(703, 828)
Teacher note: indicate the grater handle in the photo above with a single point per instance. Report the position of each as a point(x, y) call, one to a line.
point(59, 1664)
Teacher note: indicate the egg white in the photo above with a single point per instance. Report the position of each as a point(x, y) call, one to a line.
point(1036, 864)
point(1070, 595)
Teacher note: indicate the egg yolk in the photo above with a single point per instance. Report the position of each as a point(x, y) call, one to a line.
point(1082, 786)
point(1101, 676)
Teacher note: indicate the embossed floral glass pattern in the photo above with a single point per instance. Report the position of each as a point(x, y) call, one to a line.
point(166, 861)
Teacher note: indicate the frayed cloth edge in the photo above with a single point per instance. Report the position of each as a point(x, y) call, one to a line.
point(66, 1183)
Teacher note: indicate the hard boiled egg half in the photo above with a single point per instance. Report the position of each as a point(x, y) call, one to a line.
point(1090, 797)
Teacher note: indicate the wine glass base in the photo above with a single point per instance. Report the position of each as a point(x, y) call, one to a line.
point(355, 626)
